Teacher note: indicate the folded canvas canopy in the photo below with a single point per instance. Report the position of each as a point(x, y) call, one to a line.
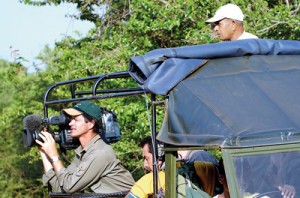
point(230, 94)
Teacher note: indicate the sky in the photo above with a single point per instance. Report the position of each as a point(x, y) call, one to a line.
point(27, 29)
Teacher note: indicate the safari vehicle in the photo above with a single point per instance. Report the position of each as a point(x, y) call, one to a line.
point(241, 97)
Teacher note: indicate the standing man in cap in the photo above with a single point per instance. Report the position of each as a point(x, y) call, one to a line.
point(228, 23)
point(95, 165)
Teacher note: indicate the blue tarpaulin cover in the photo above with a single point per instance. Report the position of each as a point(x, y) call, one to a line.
point(237, 93)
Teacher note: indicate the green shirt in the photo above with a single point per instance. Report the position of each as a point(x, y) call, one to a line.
point(95, 167)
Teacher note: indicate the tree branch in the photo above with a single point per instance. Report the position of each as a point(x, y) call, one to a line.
point(272, 26)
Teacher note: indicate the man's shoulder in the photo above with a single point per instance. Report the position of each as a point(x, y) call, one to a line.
point(247, 35)
point(101, 145)
point(99, 149)
point(149, 176)
point(144, 186)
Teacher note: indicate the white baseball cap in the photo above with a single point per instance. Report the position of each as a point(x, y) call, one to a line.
point(229, 11)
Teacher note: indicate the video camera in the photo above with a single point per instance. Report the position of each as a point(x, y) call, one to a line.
point(34, 124)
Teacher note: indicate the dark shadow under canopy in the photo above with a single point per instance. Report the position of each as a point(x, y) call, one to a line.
point(238, 93)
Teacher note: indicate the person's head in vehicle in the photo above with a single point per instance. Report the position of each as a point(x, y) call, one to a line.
point(147, 153)
point(95, 165)
point(223, 181)
point(143, 188)
point(85, 120)
point(227, 22)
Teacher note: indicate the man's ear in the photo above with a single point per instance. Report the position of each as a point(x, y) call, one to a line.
point(159, 163)
point(233, 24)
point(92, 124)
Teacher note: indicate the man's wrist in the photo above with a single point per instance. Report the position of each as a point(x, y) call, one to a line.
point(54, 159)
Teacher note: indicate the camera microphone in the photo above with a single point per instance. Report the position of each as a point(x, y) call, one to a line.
point(32, 126)
point(32, 122)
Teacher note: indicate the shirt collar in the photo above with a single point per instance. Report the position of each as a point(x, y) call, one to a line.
point(80, 151)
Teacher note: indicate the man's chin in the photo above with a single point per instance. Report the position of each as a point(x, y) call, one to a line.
point(73, 135)
point(222, 38)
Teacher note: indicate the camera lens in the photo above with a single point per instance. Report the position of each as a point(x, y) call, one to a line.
point(28, 138)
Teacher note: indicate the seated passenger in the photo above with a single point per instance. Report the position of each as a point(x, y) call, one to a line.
point(143, 188)
point(95, 166)
point(208, 177)
point(206, 166)
point(223, 181)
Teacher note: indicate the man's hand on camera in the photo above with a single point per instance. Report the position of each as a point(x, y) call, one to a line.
point(49, 152)
point(48, 145)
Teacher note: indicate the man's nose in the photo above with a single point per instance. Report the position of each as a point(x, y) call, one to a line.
point(71, 122)
point(145, 164)
point(216, 28)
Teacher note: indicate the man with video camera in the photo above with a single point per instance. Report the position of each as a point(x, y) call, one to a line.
point(95, 165)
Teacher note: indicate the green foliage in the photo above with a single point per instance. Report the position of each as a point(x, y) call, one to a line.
point(276, 21)
point(21, 96)
point(123, 29)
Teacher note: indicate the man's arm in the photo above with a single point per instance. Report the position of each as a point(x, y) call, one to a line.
point(49, 153)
